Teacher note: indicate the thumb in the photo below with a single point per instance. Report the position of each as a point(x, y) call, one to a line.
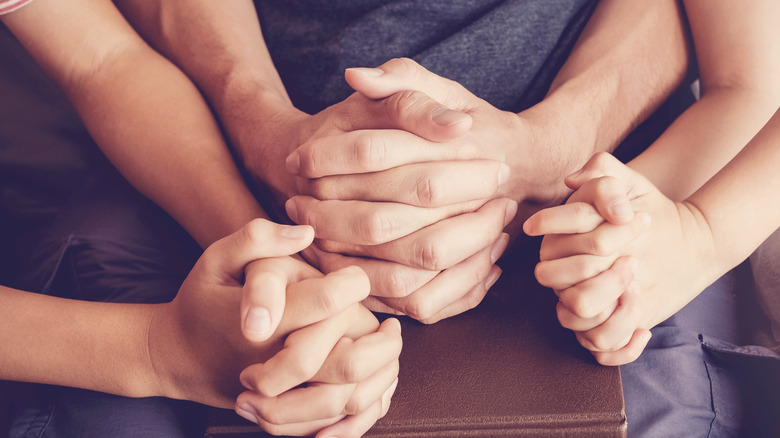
point(259, 238)
point(227, 258)
point(412, 98)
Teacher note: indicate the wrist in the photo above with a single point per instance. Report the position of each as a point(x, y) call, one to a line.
point(701, 241)
point(160, 331)
point(551, 147)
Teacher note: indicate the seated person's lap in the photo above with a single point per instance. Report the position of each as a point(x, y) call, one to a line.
point(110, 244)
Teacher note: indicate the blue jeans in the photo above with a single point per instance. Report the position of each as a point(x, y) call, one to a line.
point(695, 380)
point(111, 244)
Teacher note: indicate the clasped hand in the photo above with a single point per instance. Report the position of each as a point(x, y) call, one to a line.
point(616, 272)
point(407, 178)
point(328, 365)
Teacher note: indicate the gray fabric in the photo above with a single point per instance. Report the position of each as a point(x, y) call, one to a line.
point(494, 48)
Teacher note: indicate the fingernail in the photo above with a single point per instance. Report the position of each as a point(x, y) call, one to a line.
point(447, 117)
point(646, 337)
point(292, 210)
point(503, 174)
point(499, 247)
point(293, 163)
point(295, 232)
point(622, 209)
point(492, 278)
point(258, 320)
point(370, 72)
point(511, 211)
point(397, 324)
point(245, 410)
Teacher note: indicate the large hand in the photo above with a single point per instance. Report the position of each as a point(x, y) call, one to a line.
point(418, 218)
point(266, 135)
point(619, 278)
point(198, 350)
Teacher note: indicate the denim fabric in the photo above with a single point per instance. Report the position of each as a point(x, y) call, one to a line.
point(695, 380)
point(110, 244)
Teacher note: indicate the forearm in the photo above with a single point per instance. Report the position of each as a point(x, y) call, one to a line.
point(160, 134)
point(703, 139)
point(738, 57)
point(629, 58)
point(737, 203)
point(220, 46)
point(143, 112)
point(96, 346)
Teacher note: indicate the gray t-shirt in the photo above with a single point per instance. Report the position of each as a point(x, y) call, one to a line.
point(505, 52)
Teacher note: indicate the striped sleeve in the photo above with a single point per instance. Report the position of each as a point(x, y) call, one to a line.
point(7, 6)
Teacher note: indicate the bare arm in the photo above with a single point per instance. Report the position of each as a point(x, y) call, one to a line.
point(192, 348)
point(220, 46)
point(628, 60)
point(738, 55)
point(146, 116)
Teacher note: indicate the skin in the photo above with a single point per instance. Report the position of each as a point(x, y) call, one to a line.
point(192, 348)
point(89, 48)
point(590, 107)
point(732, 105)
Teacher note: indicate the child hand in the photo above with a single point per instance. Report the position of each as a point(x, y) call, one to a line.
point(197, 349)
point(617, 278)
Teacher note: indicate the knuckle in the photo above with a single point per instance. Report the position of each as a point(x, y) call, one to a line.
point(378, 228)
point(402, 105)
point(419, 309)
point(254, 232)
point(581, 306)
point(356, 405)
point(272, 429)
point(600, 341)
point(426, 254)
point(400, 283)
point(428, 193)
point(600, 160)
point(597, 244)
point(271, 416)
point(402, 65)
point(321, 189)
point(582, 211)
point(370, 152)
point(583, 269)
point(350, 370)
point(326, 302)
point(301, 369)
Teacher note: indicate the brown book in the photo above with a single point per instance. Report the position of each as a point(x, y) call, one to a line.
point(506, 368)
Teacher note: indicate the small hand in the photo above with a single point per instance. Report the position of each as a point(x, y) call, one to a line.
point(617, 279)
point(198, 350)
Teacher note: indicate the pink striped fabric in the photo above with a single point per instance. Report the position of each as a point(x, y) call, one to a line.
point(7, 6)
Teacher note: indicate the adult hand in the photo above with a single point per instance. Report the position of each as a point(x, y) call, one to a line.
point(197, 348)
point(617, 279)
point(417, 218)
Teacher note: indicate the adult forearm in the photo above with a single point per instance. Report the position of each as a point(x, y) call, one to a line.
point(160, 134)
point(220, 46)
point(629, 58)
point(145, 115)
point(95, 346)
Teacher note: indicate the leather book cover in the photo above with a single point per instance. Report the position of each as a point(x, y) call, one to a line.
point(505, 368)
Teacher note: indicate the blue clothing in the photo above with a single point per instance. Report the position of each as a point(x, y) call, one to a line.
point(110, 244)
